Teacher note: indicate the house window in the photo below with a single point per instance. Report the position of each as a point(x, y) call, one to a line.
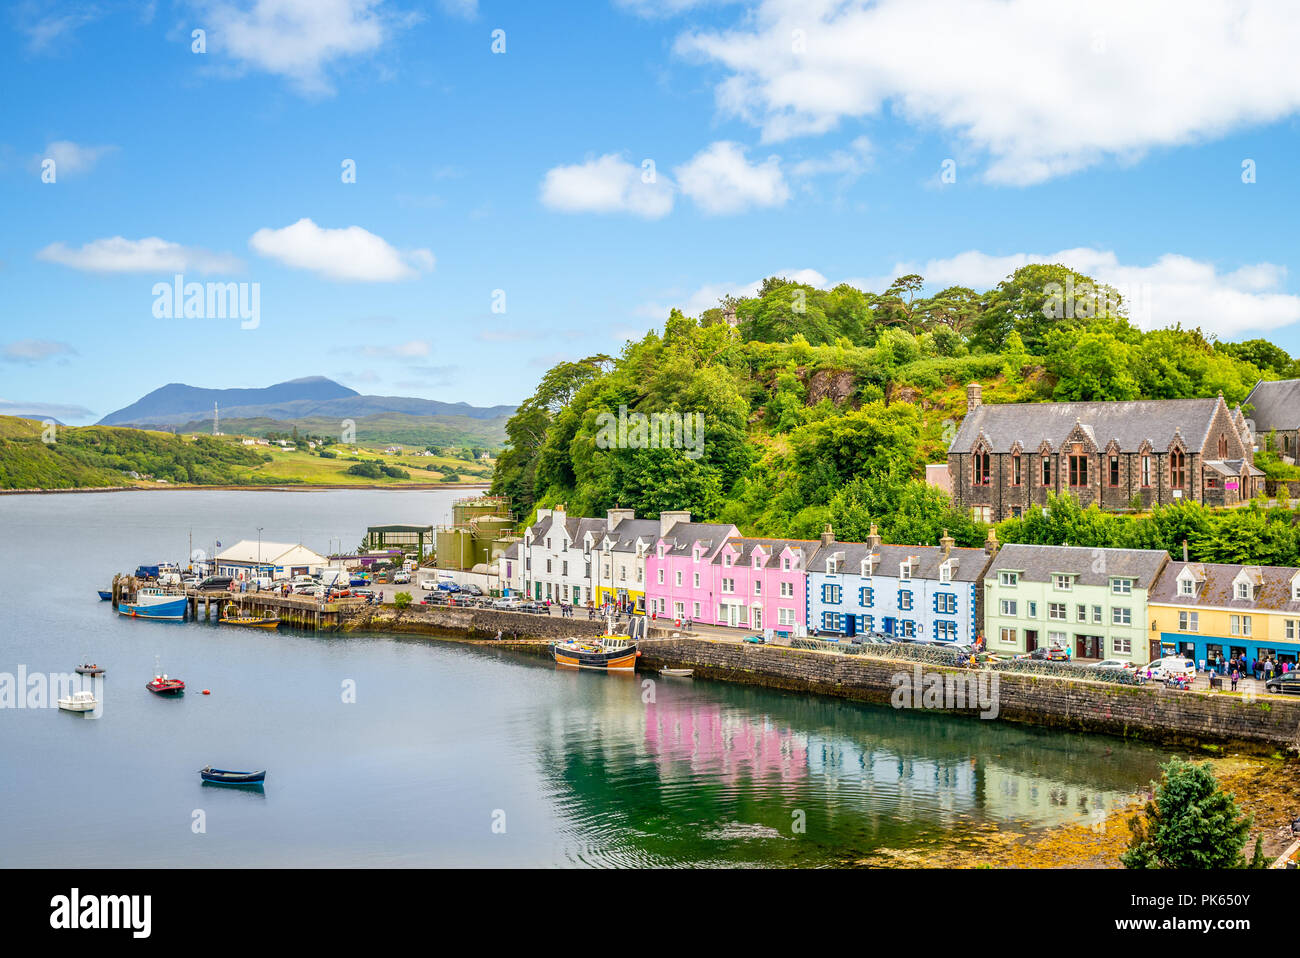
point(1177, 469)
point(696, 580)
point(1063, 583)
point(1121, 615)
point(831, 594)
point(785, 565)
point(1047, 470)
point(1015, 469)
point(1186, 587)
point(982, 475)
point(1008, 607)
point(1078, 470)
point(660, 578)
point(679, 577)
point(1114, 471)
point(787, 590)
point(785, 616)
point(866, 597)
point(1081, 613)
point(1121, 586)
point(1292, 629)
point(728, 586)
point(1056, 610)
point(1239, 624)
point(1223, 446)
point(1096, 614)
point(1122, 646)
point(758, 587)
point(1008, 636)
point(945, 572)
point(1146, 471)
point(904, 600)
point(1008, 578)
point(945, 631)
point(695, 609)
point(1243, 590)
point(1031, 609)
point(945, 603)
point(909, 628)
point(1189, 621)
point(831, 621)
point(905, 570)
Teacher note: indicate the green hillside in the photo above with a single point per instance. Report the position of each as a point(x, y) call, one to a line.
point(399, 428)
point(824, 406)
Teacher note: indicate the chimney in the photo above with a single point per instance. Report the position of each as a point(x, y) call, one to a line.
point(614, 516)
point(974, 396)
point(947, 542)
point(873, 540)
point(669, 519)
point(991, 545)
point(1184, 550)
point(828, 536)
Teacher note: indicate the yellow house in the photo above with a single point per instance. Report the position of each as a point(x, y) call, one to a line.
point(1211, 612)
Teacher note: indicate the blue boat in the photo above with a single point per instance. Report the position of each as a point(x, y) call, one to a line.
point(105, 596)
point(154, 603)
point(219, 776)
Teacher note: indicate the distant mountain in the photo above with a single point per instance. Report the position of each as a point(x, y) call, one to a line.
point(314, 396)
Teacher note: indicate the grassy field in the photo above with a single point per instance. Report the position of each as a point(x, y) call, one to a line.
point(305, 467)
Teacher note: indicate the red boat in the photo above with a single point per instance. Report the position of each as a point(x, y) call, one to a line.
point(162, 685)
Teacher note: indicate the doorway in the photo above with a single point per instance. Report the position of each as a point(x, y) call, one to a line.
point(1031, 639)
point(1088, 647)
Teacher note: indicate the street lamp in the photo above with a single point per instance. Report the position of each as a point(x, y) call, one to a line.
point(259, 551)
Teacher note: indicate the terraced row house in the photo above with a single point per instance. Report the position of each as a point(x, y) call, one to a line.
point(1006, 458)
point(931, 592)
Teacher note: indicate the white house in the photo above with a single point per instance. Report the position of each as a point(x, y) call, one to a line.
point(279, 560)
point(557, 556)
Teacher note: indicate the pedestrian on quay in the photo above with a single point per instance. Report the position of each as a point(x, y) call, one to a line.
point(1235, 676)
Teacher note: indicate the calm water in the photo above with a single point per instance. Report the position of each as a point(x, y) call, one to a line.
point(444, 740)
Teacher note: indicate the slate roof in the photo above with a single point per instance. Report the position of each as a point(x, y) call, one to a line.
point(970, 562)
point(627, 531)
point(1037, 563)
point(1216, 590)
point(1277, 405)
point(774, 547)
point(1129, 423)
point(682, 536)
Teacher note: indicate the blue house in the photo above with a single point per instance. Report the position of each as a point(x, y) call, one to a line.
point(926, 592)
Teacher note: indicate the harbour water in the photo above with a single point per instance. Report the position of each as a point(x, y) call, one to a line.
point(394, 751)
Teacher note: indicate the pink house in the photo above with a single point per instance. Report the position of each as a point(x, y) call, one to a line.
point(761, 584)
point(679, 571)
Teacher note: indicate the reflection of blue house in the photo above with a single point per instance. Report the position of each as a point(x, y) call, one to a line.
point(926, 592)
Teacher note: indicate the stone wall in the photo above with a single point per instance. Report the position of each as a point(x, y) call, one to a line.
point(471, 623)
point(1152, 713)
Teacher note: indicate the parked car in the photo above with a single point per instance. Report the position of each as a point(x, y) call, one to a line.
point(1119, 664)
point(509, 604)
point(1288, 682)
point(216, 583)
point(471, 589)
point(448, 587)
point(538, 608)
point(754, 640)
point(401, 578)
point(1170, 667)
point(428, 585)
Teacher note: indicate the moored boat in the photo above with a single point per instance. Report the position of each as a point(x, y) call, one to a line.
point(221, 776)
point(90, 669)
point(162, 685)
point(252, 621)
point(83, 701)
point(606, 653)
point(105, 596)
point(154, 603)
point(677, 672)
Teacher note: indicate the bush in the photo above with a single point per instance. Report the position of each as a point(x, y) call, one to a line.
point(402, 600)
point(1190, 823)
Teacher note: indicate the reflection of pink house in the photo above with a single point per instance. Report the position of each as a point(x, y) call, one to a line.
point(711, 741)
point(760, 584)
point(678, 570)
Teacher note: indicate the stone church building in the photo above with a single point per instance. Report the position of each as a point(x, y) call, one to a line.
point(1276, 416)
point(1007, 457)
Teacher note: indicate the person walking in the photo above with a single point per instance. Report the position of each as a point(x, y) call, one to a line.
point(1235, 675)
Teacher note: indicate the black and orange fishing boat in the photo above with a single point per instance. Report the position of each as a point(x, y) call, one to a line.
point(608, 653)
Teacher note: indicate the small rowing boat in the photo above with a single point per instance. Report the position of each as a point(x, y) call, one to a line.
point(105, 596)
point(89, 670)
point(220, 776)
point(677, 672)
point(252, 621)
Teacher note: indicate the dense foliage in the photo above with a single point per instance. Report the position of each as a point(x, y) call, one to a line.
point(1190, 823)
point(824, 405)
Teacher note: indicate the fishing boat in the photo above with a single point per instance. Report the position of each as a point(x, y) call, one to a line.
point(105, 596)
point(89, 669)
point(606, 653)
point(677, 672)
point(162, 685)
point(83, 701)
point(252, 621)
point(155, 603)
point(220, 776)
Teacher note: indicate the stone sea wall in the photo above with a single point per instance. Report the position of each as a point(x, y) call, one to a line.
point(1153, 713)
point(471, 623)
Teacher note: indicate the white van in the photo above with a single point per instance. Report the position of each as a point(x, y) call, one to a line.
point(1169, 666)
point(428, 585)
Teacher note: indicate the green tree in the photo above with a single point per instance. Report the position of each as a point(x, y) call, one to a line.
point(1190, 823)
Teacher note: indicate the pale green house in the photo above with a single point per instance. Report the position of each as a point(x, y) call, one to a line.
point(1090, 601)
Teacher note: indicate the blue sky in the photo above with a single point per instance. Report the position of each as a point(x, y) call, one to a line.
point(803, 138)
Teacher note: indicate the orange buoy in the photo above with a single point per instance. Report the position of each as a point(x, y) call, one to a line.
point(207, 692)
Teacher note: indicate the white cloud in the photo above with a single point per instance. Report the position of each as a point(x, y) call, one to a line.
point(609, 184)
point(72, 158)
point(467, 9)
point(33, 351)
point(42, 410)
point(847, 164)
point(1173, 289)
point(116, 254)
point(415, 348)
point(721, 180)
point(655, 9)
point(296, 39)
point(46, 29)
point(1043, 89)
point(352, 253)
